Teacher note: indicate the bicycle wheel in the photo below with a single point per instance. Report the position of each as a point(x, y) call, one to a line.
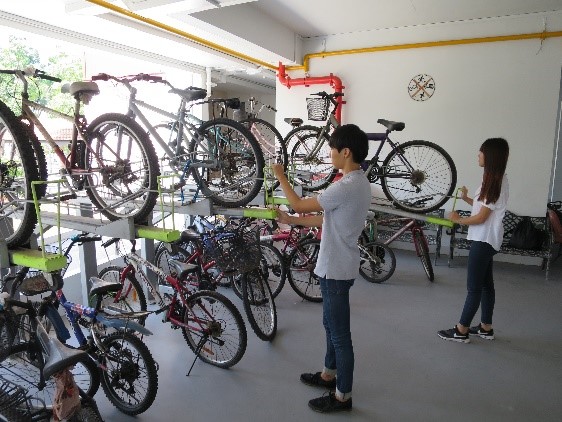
point(130, 298)
point(40, 157)
point(259, 305)
point(228, 162)
point(272, 267)
point(86, 414)
point(423, 253)
point(131, 379)
point(272, 145)
point(302, 262)
point(22, 366)
point(377, 262)
point(312, 171)
point(215, 328)
point(18, 169)
point(419, 176)
point(123, 166)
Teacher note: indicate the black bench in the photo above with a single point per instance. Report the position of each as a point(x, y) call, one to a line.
point(458, 238)
point(388, 224)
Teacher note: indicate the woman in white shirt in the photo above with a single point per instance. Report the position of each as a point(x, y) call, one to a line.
point(486, 232)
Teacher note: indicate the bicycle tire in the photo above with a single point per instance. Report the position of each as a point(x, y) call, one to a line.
point(272, 145)
point(273, 268)
point(131, 296)
point(126, 369)
point(302, 262)
point(227, 336)
point(21, 367)
point(239, 177)
point(317, 172)
point(379, 264)
point(8, 414)
point(133, 191)
point(18, 168)
point(40, 157)
point(422, 191)
point(259, 305)
point(422, 251)
point(86, 414)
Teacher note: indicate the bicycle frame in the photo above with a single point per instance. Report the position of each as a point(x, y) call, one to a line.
point(135, 263)
point(411, 224)
point(186, 127)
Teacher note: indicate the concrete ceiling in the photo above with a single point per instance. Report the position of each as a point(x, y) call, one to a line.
point(266, 30)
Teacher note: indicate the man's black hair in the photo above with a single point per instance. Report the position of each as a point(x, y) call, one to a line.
point(350, 136)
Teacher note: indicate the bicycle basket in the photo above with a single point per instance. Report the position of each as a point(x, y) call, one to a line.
point(317, 108)
point(234, 252)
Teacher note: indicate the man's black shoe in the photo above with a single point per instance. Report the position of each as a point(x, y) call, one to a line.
point(316, 381)
point(329, 403)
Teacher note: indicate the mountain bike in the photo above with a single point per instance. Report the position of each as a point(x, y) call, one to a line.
point(111, 158)
point(30, 362)
point(417, 176)
point(211, 325)
point(121, 361)
point(221, 155)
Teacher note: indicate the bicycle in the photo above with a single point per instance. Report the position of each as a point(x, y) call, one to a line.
point(207, 251)
point(211, 325)
point(382, 270)
point(118, 359)
point(417, 176)
point(111, 158)
point(221, 155)
point(192, 251)
point(268, 137)
point(29, 363)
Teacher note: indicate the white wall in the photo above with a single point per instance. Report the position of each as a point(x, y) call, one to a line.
point(506, 89)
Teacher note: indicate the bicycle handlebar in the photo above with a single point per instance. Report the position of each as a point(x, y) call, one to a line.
point(133, 78)
point(31, 72)
point(110, 242)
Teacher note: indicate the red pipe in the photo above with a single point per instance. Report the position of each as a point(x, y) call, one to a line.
point(334, 82)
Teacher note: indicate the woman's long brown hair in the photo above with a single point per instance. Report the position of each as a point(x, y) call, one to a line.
point(496, 153)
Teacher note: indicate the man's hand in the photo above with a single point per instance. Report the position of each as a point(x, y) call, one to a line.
point(282, 216)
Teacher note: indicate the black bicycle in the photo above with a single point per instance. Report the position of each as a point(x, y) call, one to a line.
point(417, 176)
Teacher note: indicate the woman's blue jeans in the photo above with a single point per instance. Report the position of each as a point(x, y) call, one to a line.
point(479, 284)
point(339, 358)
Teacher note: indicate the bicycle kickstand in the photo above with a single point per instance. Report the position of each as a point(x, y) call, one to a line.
point(197, 352)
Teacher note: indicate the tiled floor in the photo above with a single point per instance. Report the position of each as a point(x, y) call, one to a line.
point(404, 371)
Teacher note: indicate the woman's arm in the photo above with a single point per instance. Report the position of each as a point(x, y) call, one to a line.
point(479, 218)
point(464, 196)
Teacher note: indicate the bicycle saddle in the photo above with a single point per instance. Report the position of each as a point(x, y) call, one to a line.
point(190, 94)
point(80, 87)
point(59, 355)
point(390, 125)
point(181, 268)
point(188, 235)
point(294, 121)
point(100, 286)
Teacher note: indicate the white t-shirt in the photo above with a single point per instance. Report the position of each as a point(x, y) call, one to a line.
point(491, 230)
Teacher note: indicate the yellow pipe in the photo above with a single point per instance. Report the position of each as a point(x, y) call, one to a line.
point(183, 34)
point(307, 57)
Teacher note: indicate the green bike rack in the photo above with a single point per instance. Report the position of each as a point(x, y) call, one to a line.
point(157, 233)
point(40, 260)
point(421, 217)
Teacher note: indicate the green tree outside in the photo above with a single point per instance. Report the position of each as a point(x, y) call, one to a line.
point(20, 54)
